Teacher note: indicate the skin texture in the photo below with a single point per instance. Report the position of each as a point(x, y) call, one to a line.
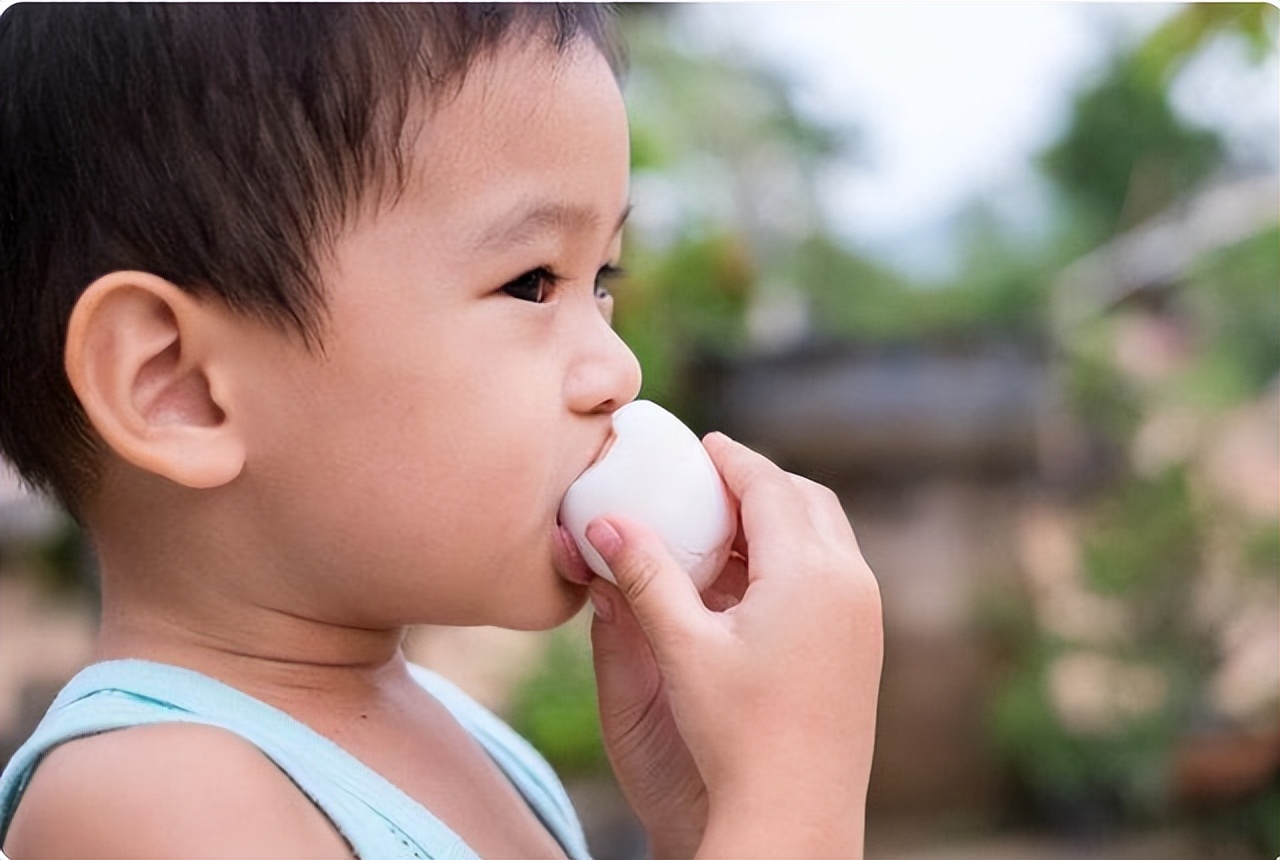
point(743, 720)
point(274, 517)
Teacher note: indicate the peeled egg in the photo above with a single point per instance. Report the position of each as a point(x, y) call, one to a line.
point(655, 472)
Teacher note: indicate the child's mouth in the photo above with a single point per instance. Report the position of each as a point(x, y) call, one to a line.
point(567, 558)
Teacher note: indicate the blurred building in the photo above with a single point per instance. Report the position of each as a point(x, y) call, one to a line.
point(935, 449)
point(1139, 291)
point(966, 476)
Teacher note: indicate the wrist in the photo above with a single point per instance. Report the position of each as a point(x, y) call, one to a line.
point(800, 823)
point(778, 836)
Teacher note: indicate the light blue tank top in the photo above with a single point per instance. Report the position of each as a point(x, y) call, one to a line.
point(377, 819)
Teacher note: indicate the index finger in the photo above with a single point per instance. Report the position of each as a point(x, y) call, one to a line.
point(769, 501)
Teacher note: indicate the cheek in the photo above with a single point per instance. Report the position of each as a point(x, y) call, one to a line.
point(459, 457)
point(431, 447)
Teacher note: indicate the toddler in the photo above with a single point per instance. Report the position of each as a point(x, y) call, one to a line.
point(304, 315)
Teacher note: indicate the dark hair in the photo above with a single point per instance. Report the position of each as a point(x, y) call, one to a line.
point(217, 146)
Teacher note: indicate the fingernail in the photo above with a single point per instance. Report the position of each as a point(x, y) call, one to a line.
point(601, 605)
point(604, 538)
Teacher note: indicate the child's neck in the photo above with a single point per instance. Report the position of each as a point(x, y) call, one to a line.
point(172, 593)
point(272, 658)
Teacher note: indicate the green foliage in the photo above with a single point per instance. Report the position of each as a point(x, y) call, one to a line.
point(1234, 296)
point(1126, 155)
point(1144, 539)
point(691, 295)
point(555, 708)
point(997, 290)
point(721, 132)
point(688, 102)
point(1096, 390)
point(1262, 550)
point(851, 296)
point(1003, 280)
point(1256, 821)
point(1230, 302)
point(724, 132)
point(1195, 25)
point(1141, 545)
point(1120, 769)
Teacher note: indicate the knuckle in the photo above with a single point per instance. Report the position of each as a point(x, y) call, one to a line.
point(743, 467)
point(818, 494)
point(842, 570)
point(744, 475)
point(638, 575)
point(776, 483)
point(827, 497)
point(859, 586)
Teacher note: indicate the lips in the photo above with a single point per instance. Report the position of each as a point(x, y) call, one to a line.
point(565, 555)
point(567, 559)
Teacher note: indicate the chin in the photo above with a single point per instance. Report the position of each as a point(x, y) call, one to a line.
point(554, 609)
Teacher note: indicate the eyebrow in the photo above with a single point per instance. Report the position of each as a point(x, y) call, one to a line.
point(535, 219)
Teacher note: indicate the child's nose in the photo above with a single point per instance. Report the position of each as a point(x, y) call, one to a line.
point(604, 373)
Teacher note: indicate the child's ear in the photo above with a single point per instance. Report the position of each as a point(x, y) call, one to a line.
point(143, 358)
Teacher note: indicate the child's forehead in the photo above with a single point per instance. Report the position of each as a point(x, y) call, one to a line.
point(513, 83)
point(533, 142)
point(472, 127)
point(519, 110)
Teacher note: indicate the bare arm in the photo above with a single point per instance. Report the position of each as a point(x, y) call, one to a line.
point(171, 790)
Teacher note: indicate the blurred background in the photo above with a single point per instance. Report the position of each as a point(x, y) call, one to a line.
point(1006, 276)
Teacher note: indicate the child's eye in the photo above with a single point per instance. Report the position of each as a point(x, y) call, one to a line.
point(606, 274)
point(533, 286)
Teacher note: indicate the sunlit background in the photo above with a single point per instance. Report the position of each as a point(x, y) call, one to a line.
point(1007, 277)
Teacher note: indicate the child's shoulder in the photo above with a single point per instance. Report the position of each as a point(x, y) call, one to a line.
point(166, 790)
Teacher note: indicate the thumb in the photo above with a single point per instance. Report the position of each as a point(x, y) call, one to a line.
point(659, 592)
point(627, 674)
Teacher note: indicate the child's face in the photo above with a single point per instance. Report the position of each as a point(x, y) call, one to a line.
point(414, 470)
